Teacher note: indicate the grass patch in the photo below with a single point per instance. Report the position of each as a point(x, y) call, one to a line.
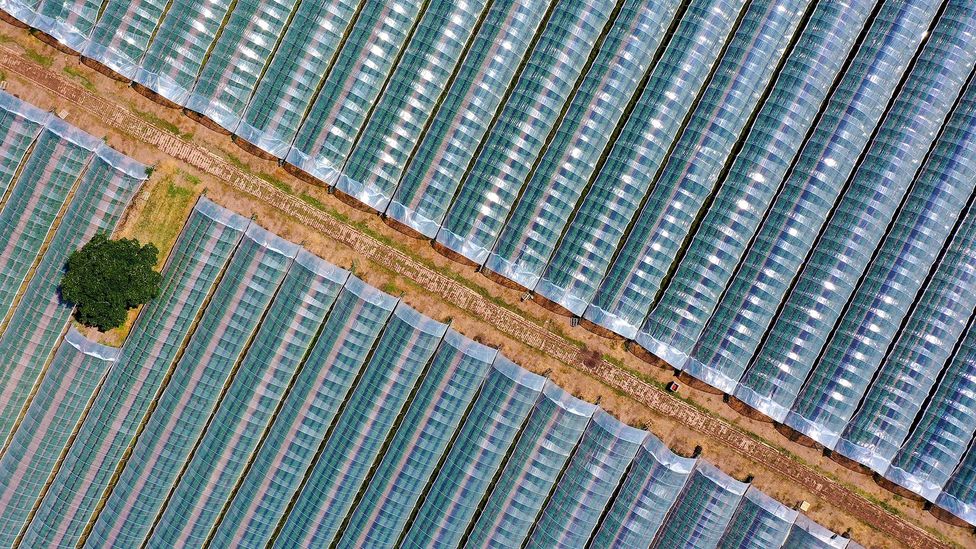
point(614, 360)
point(161, 123)
point(164, 212)
point(43, 60)
point(238, 163)
point(79, 77)
point(190, 178)
point(312, 201)
point(390, 288)
point(278, 183)
point(3, 76)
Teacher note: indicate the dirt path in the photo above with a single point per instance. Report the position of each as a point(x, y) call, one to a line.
point(504, 320)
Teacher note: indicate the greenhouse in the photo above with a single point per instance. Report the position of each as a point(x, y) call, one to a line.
point(399, 118)
point(71, 379)
point(759, 523)
point(704, 510)
point(247, 407)
point(54, 169)
point(939, 439)
point(438, 165)
point(522, 128)
point(123, 32)
point(208, 239)
point(530, 235)
point(802, 208)
point(179, 48)
point(918, 355)
point(653, 483)
point(743, 197)
point(615, 194)
point(587, 484)
point(543, 448)
point(292, 78)
point(185, 404)
point(237, 60)
point(857, 226)
point(302, 423)
point(448, 388)
point(503, 404)
point(688, 176)
point(401, 357)
point(355, 81)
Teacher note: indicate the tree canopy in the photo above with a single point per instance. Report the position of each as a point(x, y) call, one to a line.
point(106, 278)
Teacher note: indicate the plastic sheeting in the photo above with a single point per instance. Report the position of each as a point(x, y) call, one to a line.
point(523, 127)
point(400, 116)
point(801, 209)
point(833, 271)
point(71, 22)
point(807, 534)
point(477, 454)
point(550, 196)
point(554, 428)
point(437, 167)
point(650, 488)
point(754, 176)
point(189, 398)
point(292, 79)
point(941, 313)
point(703, 511)
point(761, 522)
point(20, 124)
point(23, 10)
point(588, 484)
point(41, 317)
point(944, 431)
point(247, 408)
point(180, 47)
point(205, 245)
point(305, 418)
point(237, 60)
point(597, 227)
point(401, 357)
point(354, 82)
point(959, 495)
point(411, 459)
point(41, 191)
point(690, 174)
point(121, 36)
point(32, 454)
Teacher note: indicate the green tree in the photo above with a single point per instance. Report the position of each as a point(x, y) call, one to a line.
point(106, 278)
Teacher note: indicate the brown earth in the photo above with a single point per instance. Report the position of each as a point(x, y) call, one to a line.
point(200, 160)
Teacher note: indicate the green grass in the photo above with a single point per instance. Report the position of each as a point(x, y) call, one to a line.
point(190, 178)
point(162, 219)
point(278, 183)
point(164, 124)
point(238, 163)
point(390, 288)
point(312, 201)
point(3, 76)
point(79, 77)
point(43, 60)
